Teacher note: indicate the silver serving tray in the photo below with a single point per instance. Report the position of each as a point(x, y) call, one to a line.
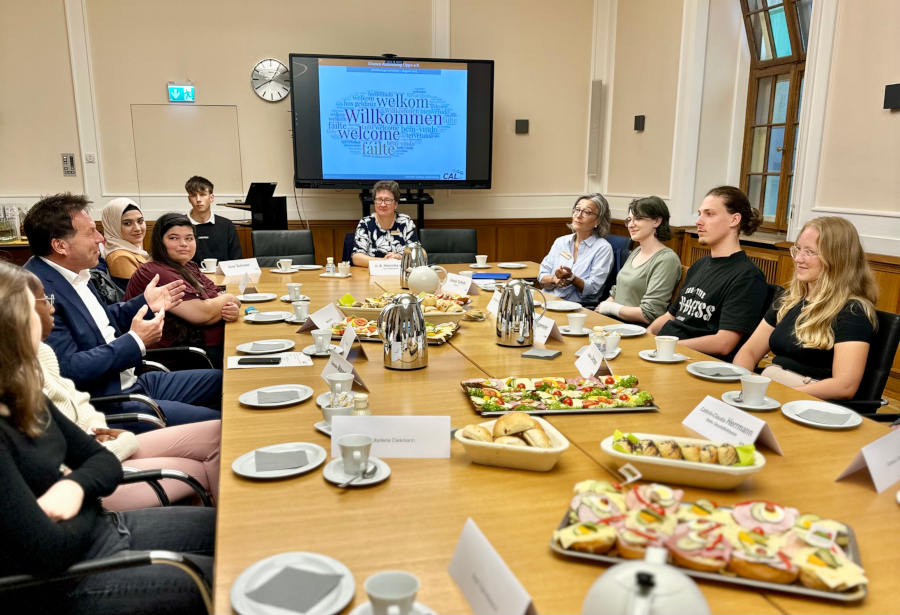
point(593, 410)
point(852, 550)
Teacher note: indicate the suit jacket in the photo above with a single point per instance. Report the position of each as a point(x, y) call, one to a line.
point(84, 356)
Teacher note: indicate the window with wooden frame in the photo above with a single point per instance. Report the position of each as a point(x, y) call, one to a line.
point(777, 32)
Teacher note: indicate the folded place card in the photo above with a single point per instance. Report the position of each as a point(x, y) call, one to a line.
point(388, 266)
point(544, 328)
point(274, 397)
point(485, 580)
point(881, 457)
point(238, 268)
point(280, 460)
point(590, 361)
point(416, 437)
point(339, 365)
point(717, 421)
point(494, 304)
point(347, 340)
point(295, 590)
point(266, 346)
point(456, 284)
point(325, 317)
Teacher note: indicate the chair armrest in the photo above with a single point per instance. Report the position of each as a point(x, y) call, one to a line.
point(179, 355)
point(865, 407)
point(138, 397)
point(153, 366)
point(136, 476)
point(134, 417)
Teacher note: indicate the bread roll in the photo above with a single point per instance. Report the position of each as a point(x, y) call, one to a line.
point(511, 440)
point(669, 449)
point(536, 437)
point(513, 423)
point(761, 571)
point(691, 452)
point(649, 448)
point(477, 432)
point(709, 454)
point(727, 455)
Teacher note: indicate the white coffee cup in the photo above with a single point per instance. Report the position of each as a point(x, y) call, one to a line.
point(209, 264)
point(481, 259)
point(294, 293)
point(301, 310)
point(612, 342)
point(753, 389)
point(665, 346)
point(392, 592)
point(339, 383)
point(285, 264)
point(329, 412)
point(321, 339)
point(576, 322)
point(355, 451)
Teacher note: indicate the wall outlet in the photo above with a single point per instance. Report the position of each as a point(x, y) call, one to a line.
point(90, 158)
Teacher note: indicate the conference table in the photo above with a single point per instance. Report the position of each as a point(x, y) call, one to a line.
point(413, 520)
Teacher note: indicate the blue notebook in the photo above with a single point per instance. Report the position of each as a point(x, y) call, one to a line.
point(490, 276)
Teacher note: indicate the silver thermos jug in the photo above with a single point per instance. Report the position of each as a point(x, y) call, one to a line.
point(401, 325)
point(414, 255)
point(515, 314)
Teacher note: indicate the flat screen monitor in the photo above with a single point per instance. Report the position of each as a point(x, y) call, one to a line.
point(426, 123)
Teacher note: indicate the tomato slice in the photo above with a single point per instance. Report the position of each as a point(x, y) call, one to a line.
point(609, 380)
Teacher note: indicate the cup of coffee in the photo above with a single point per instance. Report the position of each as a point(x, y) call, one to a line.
point(329, 412)
point(209, 264)
point(753, 389)
point(392, 592)
point(665, 346)
point(481, 260)
point(322, 339)
point(576, 322)
point(284, 264)
point(355, 452)
point(294, 291)
point(301, 310)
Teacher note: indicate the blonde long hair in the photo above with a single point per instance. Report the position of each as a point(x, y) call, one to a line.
point(21, 379)
point(845, 276)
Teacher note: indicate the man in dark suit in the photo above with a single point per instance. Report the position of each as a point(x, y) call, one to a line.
point(88, 335)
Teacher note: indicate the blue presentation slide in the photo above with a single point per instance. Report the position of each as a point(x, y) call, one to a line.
point(392, 121)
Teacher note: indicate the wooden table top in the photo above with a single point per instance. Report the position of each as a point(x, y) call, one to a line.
point(413, 520)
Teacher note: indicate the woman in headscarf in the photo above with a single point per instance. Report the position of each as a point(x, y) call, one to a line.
point(124, 229)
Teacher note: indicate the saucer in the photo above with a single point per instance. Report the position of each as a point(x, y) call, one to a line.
point(307, 267)
point(647, 355)
point(292, 269)
point(264, 317)
point(477, 266)
point(323, 427)
point(208, 271)
point(334, 275)
point(293, 320)
point(417, 609)
point(251, 398)
point(768, 403)
point(334, 473)
point(251, 297)
point(311, 350)
point(513, 266)
point(287, 298)
point(245, 465)
point(609, 356)
point(565, 330)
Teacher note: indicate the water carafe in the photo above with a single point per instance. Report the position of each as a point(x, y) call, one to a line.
point(401, 325)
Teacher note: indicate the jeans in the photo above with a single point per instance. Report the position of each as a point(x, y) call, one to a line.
point(186, 396)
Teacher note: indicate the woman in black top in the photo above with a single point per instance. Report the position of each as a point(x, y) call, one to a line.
point(820, 330)
point(52, 518)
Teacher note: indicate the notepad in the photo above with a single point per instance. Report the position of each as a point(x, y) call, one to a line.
point(490, 276)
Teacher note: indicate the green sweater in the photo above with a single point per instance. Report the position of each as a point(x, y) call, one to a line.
point(650, 285)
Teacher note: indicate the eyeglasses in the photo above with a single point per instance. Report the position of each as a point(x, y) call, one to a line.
point(628, 221)
point(806, 252)
point(577, 211)
point(385, 201)
point(48, 298)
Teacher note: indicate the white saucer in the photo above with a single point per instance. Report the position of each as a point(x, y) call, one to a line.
point(245, 465)
point(768, 403)
point(334, 473)
point(624, 329)
point(265, 569)
point(251, 297)
point(251, 398)
point(267, 317)
point(311, 351)
point(208, 271)
point(512, 266)
point(561, 305)
point(335, 275)
point(564, 329)
point(477, 266)
point(418, 609)
point(323, 427)
point(276, 346)
point(647, 355)
point(793, 410)
point(287, 298)
point(293, 269)
point(293, 320)
point(739, 371)
point(609, 356)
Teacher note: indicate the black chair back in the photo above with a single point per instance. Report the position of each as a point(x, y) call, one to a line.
point(449, 245)
point(269, 246)
point(621, 247)
point(347, 252)
point(881, 358)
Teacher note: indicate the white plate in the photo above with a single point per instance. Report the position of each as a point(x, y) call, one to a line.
point(564, 329)
point(477, 266)
point(512, 265)
point(265, 569)
point(560, 305)
point(624, 329)
point(793, 409)
point(334, 473)
point(293, 269)
point(245, 465)
point(609, 356)
point(334, 275)
point(308, 267)
point(311, 350)
point(692, 369)
point(251, 398)
point(287, 298)
point(650, 355)
point(283, 345)
point(251, 297)
point(417, 609)
point(768, 403)
point(267, 317)
point(323, 427)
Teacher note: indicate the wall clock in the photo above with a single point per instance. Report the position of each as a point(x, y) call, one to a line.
point(270, 79)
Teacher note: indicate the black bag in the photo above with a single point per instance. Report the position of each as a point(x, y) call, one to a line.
point(108, 290)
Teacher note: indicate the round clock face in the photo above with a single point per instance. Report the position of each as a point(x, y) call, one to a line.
point(270, 80)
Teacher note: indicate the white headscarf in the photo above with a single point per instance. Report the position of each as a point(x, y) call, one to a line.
point(112, 227)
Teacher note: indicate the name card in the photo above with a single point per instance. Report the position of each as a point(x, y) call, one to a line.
point(323, 318)
point(882, 458)
point(239, 267)
point(339, 365)
point(394, 437)
point(482, 576)
point(347, 340)
point(494, 304)
point(456, 284)
point(388, 266)
point(590, 361)
point(715, 420)
point(544, 328)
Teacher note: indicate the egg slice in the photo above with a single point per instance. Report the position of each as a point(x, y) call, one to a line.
point(768, 513)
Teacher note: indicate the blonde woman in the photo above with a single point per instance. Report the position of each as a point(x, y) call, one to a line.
point(820, 330)
point(124, 229)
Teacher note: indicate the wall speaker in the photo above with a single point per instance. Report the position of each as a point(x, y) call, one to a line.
point(892, 96)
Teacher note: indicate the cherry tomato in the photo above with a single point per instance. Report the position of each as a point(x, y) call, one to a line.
point(567, 401)
point(624, 397)
point(521, 385)
point(557, 393)
point(609, 380)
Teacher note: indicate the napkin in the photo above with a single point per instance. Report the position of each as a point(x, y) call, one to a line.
point(274, 397)
point(280, 460)
point(717, 371)
point(266, 346)
point(295, 590)
point(823, 417)
point(266, 316)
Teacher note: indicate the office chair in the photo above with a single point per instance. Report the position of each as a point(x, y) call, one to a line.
point(621, 247)
point(449, 245)
point(269, 246)
point(347, 251)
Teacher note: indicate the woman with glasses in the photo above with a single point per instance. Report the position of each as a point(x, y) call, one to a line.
point(578, 264)
point(820, 329)
point(645, 283)
point(384, 233)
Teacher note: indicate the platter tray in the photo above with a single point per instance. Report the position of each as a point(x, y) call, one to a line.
point(431, 341)
point(852, 550)
point(594, 410)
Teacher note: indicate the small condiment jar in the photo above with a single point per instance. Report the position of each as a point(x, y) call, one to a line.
point(329, 265)
point(361, 405)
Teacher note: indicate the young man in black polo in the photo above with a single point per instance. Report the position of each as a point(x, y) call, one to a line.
point(216, 236)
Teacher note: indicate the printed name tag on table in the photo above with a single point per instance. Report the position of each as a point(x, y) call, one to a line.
point(485, 580)
point(715, 420)
point(881, 457)
point(590, 361)
point(494, 304)
point(323, 318)
point(544, 328)
point(347, 340)
point(339, 365)
point(411, 437)
point(459, 285)
point(239, 267)
point(390, 266)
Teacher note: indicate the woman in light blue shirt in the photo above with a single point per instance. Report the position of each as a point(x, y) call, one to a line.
point(578, 264)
